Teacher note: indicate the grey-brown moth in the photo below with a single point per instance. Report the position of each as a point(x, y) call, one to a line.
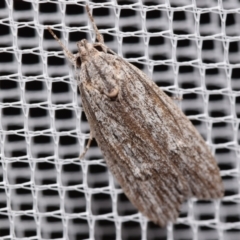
point(149, 145)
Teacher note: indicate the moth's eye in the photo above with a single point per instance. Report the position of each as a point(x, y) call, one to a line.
point(99, 48)
point(79, 62)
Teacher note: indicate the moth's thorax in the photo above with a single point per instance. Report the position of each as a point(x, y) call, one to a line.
point(96, 67)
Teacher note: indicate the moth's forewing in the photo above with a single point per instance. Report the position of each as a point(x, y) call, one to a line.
point(150, 146)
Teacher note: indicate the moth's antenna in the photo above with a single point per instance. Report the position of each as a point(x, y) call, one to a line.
point(98, 34)
point(67, 53)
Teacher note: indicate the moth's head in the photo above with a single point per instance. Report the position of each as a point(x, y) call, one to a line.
point(88, 51)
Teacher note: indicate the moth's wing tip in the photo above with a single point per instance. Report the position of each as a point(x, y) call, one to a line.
point(212, 194)
point(163, 223)
point(172, 217)
point(221, 193)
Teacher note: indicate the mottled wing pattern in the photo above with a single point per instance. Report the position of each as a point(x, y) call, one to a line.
point(149, 145)
point(186, 148)
point(147, 185)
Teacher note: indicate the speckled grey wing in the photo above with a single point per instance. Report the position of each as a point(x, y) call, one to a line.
point(151, 148)
point(157, 190)
point(186, 148)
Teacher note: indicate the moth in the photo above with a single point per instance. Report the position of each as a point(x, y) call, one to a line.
point(149, 145)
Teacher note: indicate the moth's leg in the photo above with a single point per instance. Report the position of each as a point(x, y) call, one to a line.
point(87, 147)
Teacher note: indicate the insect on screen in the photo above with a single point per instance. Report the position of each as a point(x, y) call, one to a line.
point(190, 48)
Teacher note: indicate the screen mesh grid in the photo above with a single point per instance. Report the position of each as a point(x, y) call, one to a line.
point(190, 48)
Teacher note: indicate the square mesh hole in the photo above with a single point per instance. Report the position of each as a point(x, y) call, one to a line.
point(51, 228)
point(21, 200)
point(25, 227)
point(101, 204)
point(78, 229)
point(97, 176)
point(71, 174)
point(104, 229)
point(75, 201)
point(45, 173)
point(48, 201)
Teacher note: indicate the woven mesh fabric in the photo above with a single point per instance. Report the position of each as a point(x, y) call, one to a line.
point(190, 48)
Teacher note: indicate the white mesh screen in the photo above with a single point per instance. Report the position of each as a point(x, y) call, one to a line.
point(190, 48)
